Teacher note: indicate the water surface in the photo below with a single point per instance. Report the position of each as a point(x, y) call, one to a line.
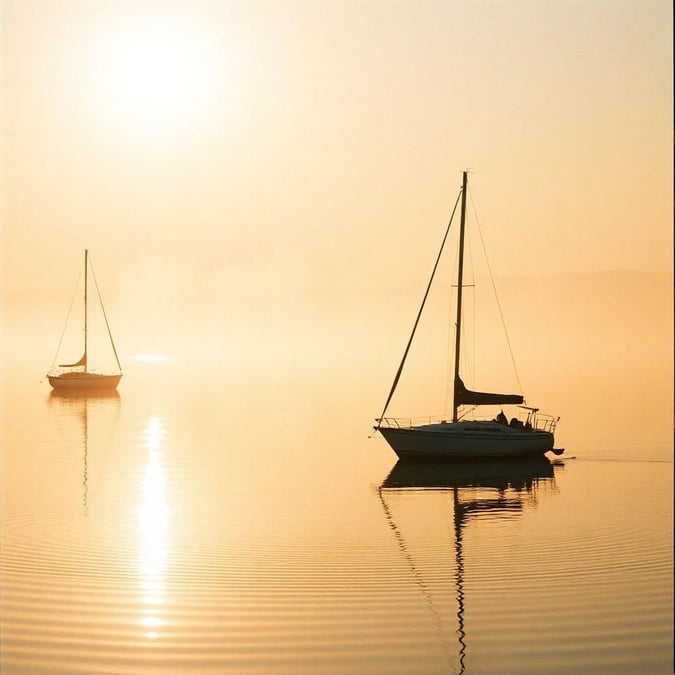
point(249, 525)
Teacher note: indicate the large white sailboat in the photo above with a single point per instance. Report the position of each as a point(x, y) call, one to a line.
point(529, 434)
point(78, 376)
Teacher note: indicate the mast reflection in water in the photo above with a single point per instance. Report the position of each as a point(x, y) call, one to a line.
point(498, 490)
point(81, 407)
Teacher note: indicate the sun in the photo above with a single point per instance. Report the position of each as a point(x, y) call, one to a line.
point(157, 72)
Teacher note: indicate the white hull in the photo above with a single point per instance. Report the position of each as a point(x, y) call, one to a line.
point(467, 440)
point(84, 381)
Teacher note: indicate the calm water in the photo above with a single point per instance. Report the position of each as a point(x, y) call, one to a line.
point(228, 525)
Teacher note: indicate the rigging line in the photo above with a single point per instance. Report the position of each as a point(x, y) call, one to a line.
point(448, 351)
point(419, 314)
point(466, 412)
point(469, 356)
point(418, 577)
point(70, 309)
point(451, 331)
point(469, 362)
point(494, 289)
point(473, 364)
point(105, 318)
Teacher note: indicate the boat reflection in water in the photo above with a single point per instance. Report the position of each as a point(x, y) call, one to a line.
point(517, 474)
point(495, 489)
point(85, 407)
point(92, 411)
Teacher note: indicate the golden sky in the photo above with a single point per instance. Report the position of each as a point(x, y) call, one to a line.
point(316, 144)
point(275, 177)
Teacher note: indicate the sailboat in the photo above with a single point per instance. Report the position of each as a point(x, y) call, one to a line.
point(78, 376)
point(529, 434)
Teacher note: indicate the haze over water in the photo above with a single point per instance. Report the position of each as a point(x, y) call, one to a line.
point(218, 517)
point(263, 191)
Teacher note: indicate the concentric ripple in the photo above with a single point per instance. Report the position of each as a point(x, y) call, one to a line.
point(173, 554)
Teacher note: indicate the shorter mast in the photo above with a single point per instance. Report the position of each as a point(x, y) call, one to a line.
point(86, 274)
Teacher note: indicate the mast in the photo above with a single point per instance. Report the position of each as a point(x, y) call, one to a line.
point(460, 276)
point(86, 259)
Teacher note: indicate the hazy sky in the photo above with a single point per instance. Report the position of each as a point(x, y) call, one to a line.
point(319, 144)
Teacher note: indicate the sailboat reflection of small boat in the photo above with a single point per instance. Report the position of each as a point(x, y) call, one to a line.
point(509, 479)
point(466, 439)
point(76, 405)
point(77, 376)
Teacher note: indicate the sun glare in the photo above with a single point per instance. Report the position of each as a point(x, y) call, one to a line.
point(150, 358)
point(157, 72)
point(153, 528)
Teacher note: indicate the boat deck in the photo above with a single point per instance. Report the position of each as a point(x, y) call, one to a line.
point(533, 422)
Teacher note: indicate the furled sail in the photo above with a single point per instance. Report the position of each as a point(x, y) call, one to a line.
point(464, 396)
point(81, 362)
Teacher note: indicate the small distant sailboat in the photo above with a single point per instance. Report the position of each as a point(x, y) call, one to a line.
point(77, 376)
point(467, 439)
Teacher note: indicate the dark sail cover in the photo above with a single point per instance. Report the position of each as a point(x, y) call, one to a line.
point(464, 396)
point(81, 362)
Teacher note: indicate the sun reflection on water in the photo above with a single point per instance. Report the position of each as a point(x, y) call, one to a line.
point(153, 524)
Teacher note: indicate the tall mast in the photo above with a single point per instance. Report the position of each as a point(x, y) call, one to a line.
point(86, 258)
point(460, 276)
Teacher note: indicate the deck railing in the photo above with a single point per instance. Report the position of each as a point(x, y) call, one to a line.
point(536, 420)
point(407, 422)
point(544, 422)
